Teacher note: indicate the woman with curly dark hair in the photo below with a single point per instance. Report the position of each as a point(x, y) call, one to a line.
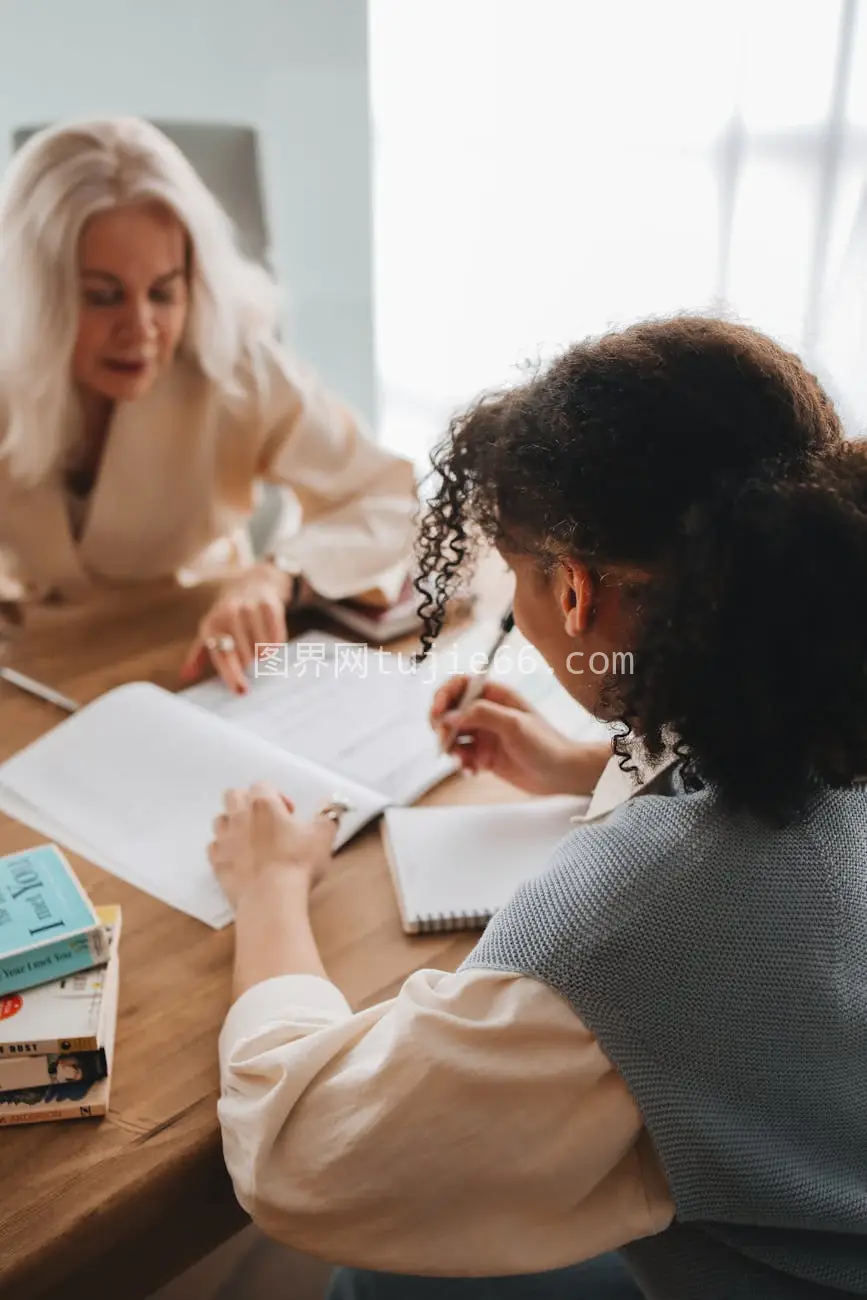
point(659, 1046)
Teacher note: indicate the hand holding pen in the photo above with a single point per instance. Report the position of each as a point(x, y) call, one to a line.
point(491, 728)
point(459, 693)
point(476, 684)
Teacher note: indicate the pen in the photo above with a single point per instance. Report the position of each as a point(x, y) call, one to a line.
point(477, 681)
point(29, 684)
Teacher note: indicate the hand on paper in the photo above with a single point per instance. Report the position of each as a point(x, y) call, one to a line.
point(501, 733)
point(258, 838)
point(249, 609)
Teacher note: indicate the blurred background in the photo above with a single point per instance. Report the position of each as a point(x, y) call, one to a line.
point(452, 189)
point(544, 170)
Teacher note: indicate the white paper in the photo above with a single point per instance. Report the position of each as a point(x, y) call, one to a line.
point(134, 782)
point(363, 714)
point(468, 861)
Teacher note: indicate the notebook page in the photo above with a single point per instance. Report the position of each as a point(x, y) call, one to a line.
point(359, 712)
point(363, 714)
point(467, 861)
point(135, 780)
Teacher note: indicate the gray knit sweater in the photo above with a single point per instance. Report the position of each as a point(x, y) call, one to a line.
point(722, 965)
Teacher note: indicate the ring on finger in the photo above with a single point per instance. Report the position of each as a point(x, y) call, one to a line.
point(335, 809)
point(223, 644)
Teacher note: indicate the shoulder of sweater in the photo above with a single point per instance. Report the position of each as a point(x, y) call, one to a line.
point(599, 871)
point(606, 872)
point(662, 836)
point(650, 825)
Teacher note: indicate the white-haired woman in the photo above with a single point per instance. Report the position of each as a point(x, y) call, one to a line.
point(143, 398)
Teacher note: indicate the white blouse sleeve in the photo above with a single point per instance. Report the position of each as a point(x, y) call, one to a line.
point(357, 500)
point(471, 1125)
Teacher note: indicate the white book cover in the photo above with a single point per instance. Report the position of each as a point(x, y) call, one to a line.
point(67, 1015)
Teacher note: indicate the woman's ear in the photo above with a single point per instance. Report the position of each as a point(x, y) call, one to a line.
point(577, 597)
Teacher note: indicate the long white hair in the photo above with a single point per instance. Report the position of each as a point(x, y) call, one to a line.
point(60, 178)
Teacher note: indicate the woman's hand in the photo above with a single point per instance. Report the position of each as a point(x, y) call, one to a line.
point(504, 735)
point(249, 609)
point(258, 839)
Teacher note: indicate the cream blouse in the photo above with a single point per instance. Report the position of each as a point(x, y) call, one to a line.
point(470, 1125)
point(179, 480)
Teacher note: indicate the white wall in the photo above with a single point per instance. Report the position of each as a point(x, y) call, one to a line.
point(546, 169)
point(294, 69)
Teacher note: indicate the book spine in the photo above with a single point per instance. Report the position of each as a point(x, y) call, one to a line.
point(27, 1071)
point(46, 1046)
point(53, 961)
point(46, 1114)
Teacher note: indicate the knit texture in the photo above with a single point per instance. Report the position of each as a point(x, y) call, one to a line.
point(722, 965)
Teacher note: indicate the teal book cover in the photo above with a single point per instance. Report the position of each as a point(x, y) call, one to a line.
point(48, 926)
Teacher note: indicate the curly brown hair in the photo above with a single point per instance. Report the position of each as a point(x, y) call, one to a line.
point(701, 452)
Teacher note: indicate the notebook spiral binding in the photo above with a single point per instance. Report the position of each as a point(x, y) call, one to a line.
point(433, 922)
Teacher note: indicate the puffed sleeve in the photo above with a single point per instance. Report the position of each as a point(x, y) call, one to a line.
point(357, 500)
point(471, 1125)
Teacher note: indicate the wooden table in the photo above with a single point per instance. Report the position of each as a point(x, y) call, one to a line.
point(118, 1206)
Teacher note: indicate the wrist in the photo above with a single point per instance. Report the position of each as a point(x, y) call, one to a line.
point(285, 581)
point(273, 934)
point(289, 580)
point(276, 885)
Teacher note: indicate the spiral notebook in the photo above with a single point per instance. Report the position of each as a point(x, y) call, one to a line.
point(454, 867)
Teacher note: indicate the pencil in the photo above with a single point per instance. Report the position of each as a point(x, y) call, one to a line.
point(32, 687)
point(477, 681)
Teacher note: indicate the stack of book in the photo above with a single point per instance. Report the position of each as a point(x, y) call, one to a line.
point(59, 983)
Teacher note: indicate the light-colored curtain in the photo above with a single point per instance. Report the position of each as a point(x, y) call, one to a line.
point(546, 170)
